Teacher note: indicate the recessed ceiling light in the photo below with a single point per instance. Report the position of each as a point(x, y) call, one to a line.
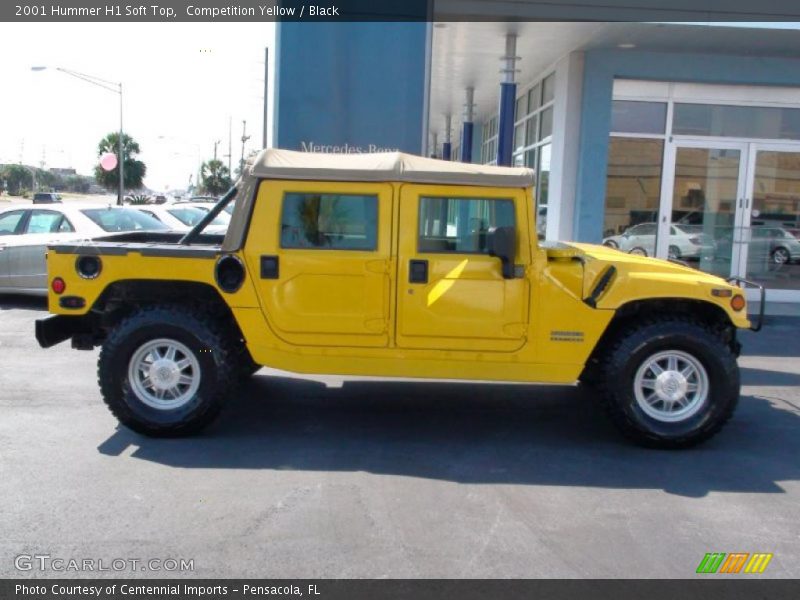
point(626, 45)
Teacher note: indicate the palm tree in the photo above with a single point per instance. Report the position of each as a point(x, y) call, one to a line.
point(135, 170)
point(215, 177)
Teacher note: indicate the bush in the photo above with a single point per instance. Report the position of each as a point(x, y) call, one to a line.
point(138, 199)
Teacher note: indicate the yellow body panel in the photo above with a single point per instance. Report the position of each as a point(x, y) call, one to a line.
point(355, 313)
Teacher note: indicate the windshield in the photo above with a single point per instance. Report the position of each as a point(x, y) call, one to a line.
point(189, 215)
point(123, 219)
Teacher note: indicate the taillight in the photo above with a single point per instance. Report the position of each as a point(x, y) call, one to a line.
point(58, 285)
point(696, 240)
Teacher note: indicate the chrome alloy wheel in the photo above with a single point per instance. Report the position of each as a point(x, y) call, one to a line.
point(671, 386)
point(164, 374)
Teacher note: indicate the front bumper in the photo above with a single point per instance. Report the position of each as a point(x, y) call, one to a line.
point(762, 303)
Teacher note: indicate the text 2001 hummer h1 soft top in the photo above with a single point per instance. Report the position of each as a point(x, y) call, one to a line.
point(393, 265)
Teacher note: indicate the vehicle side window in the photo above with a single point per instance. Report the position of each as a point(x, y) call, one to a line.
point(10, 221)
point(644, 229)
point(461, 224)
point(48, 221)
point(330, 221)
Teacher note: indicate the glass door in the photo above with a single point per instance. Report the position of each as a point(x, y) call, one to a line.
point(702, 205)
point(771, 225)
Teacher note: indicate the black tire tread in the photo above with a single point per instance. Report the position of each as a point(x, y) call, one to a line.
point(200, 324)
point(623, 345)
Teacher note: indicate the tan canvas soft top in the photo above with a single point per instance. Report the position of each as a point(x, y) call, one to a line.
point(383, 166)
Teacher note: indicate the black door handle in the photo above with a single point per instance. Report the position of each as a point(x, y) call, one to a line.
point(417, 271)
point(270, 267)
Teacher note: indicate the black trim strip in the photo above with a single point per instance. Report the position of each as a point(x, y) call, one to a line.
point(143, 249)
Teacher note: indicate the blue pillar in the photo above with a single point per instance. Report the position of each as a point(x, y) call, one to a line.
point(508, 97)
point(505, 123)
point(468, 126)
point(447, 146)
point(466, 141)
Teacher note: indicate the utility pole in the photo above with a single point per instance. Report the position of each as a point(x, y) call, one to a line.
point(215, 149)
point(266, 90)
point(230, 144)
point(244, 139)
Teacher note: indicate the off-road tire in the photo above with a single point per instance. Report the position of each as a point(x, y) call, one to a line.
point(214, 349)
point(634, 345)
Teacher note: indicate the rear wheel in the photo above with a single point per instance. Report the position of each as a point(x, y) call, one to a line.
point(670, 383)
point(163, 371)
point(674, 252)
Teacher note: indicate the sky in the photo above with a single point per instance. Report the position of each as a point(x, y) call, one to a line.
point(182, 85)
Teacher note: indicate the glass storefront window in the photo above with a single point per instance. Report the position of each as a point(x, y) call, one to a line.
point(633, 186)
point(548, 88)
point(534, 98)
point(773, 242)
point(530, 158)
point(721, 120)
point(638, 117)
point(544, 174)
point(530, 135)
point(547, 124)
point(521, 108)
point(519, 137)
point(704, 207)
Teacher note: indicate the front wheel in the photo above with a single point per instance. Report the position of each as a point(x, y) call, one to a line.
point(670, 383)
point(167, 372)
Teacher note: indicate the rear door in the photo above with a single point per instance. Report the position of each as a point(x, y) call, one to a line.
point(320, 254)
point(11, 225)
point(451, 294)
point(27, 264)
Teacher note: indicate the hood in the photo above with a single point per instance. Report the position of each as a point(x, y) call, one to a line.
point(611, 278)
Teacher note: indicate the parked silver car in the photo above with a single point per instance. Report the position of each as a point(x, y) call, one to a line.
point(27, 229)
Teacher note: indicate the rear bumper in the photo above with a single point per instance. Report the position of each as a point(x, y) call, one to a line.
point(55, 329)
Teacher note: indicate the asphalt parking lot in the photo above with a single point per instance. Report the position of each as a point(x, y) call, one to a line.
point(391, 479)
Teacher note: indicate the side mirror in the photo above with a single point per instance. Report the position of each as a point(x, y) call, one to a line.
point(502, 243)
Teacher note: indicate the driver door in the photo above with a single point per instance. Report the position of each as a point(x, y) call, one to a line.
point(451, 294)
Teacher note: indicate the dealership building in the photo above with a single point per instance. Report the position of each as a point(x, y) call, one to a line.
point(676, 140)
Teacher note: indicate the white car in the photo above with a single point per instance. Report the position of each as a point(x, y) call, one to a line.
point(685, 241)
point(182, 217)
point(27, 229)
point(225, 215)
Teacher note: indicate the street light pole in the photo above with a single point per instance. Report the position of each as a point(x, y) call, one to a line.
point(111, 86)
point(121, 193)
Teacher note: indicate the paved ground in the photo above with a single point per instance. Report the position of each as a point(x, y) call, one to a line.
point(379, 479)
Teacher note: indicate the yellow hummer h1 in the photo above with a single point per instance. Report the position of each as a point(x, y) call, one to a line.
point(399, 266)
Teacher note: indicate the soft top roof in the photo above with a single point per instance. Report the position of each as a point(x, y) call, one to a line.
point(384, 166)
